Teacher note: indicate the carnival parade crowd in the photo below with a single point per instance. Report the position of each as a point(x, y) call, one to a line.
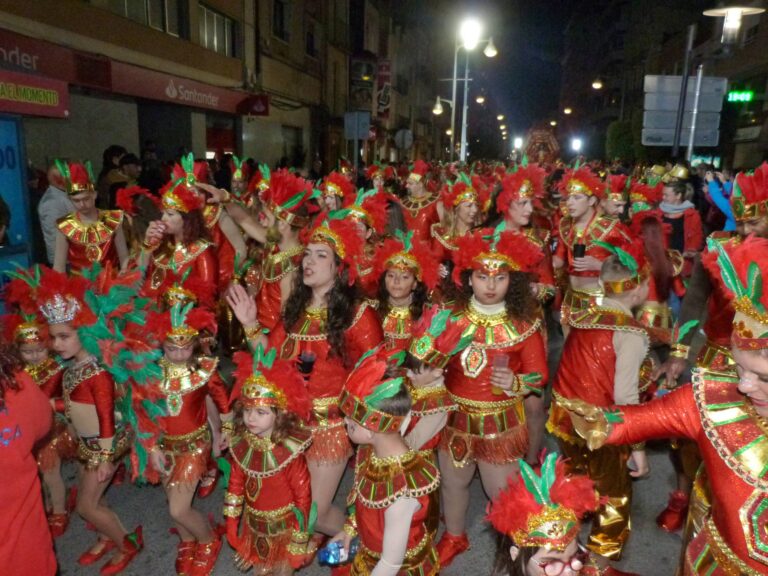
point(263, 333)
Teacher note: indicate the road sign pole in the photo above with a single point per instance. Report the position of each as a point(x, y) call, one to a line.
point(695, 112)
point(683, 89)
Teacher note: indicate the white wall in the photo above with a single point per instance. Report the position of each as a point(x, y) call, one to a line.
point(94, 123)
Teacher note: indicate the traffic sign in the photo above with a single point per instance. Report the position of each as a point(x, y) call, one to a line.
point(666, 119)
point(709, 84)
point(357, 125)
point(666, 137)
point(670, 101)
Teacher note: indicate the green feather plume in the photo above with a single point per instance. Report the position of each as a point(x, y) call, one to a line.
point(385, 390)
point(683, 330)
point(226, 470)
point(533, 483)
point(626, 259)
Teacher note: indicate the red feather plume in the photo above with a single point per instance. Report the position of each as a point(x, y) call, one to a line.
point(423, 256)
point(511, 184)
point(284, 185)
point(420, 167)
point(340, 182)
point(616, 183)
point(189, 199)
point(78, 175)
point(126, 199)
point(586, 177)
point(640, 192)
point(515, 246)
point(754, 187)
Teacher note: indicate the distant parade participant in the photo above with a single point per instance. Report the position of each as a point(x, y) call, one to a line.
point(326, 329)
point(504, 362)
point(336, 189)
point(88, 235)
point(723, 411)
point(577, 252)
point(368, 211)
point(420, 205)
point(614, 200)
point(463, 202)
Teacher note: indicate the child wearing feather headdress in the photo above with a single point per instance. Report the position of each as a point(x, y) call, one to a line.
point(395, 487)
point(269, 485)
point(181, 455)
point(88, 235)
point(600, 364)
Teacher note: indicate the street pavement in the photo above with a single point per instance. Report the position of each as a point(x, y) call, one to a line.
point(650, 551)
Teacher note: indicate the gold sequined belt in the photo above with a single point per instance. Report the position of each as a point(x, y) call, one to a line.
point(189, 442)
point(90, 452)
point(326, 412)
point(269, 522)
point(487, 419)
point(413, 562)
point(721, 553)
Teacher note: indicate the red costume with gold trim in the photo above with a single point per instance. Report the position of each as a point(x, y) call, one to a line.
point(309, 336)
point(194, 262)
point(420, 213)
point(275, 266)
point(91, 242)
point(378, 483)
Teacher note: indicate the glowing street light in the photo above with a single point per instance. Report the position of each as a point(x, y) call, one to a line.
point(480, 99)
point(576, 144)
point(567, 111)
point(490, 49)
point(500, 117)
point(470, 32)
point(438, 108)
point(553, 122)
point(503, 127)
point(448, 132)
point(518, 142)
point(732, 22)
point(597, 84)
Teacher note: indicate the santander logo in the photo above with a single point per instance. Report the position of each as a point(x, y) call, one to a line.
point(170, 90)
point(191, 95)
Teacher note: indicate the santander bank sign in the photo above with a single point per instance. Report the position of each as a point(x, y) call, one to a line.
point(191, 95)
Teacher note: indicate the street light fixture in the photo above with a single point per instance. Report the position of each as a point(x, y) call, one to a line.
point(597, 84)
point(567, 111)
point(500, 117)
point(503, 126)
point(480, 99)
point(490, 49)
point(576, 144)
point(732, 22)
point(438, 108)
point(518, 142)
point(448, 132)
point(553, 122)
point(470, 32)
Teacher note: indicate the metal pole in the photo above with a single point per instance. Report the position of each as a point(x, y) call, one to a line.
point(695, 111)
point(683, 90)
point(465, 112)
point(453, 102)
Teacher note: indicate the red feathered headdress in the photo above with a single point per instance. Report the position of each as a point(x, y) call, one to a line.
point(126, 199)
point(286, 195)
point(337, 230)
point(336, 184)
point(526, 182)
point(742, 267)
point(189, 171)
point(636, 224)
point(181, 324)
point(644, 196)
point(239, 168)
point(23, 329)
point(466, 189)
point(401, 253)
point(750, 194)
point(370, 207)
point(367, 386)
point(581, 181)
point(262, 380)
point(543, 510)
point(75, 178)
point(616, 187)
point(419, 170)
point(494, 250)
point(180, 198)
point(632, 256)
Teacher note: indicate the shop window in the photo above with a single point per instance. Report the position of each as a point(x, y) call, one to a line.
point(281, 19)
point(216, 31)
point(162, 15)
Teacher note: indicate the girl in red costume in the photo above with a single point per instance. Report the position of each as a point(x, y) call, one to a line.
point(178, 247)
point(269, 487)
point(26, 548)
point(420, 207)
point(326, 329)
point(368, 210)
point(181, 456)
point(91, 393)
point(489, 380)
point(539, 519)
point(724, 412)
point(395, 488)
point(406, 276)
point(87, 235)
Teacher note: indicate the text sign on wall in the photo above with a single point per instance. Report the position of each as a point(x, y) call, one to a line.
point(33, 95)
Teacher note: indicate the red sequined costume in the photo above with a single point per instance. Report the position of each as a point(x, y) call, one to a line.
point(330, 442)
point(600, 365)
point(379, 482)
point(275, 266)
point(89, 403)
point(59, 445)
point(268, 479)
point(489, 425)
point(186, 441)
point(88, 243)
point(197, 261)
point(420, 215)
point(397, 326)
point(732, 441)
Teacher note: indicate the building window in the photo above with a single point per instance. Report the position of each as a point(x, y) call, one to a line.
point(162, 15)
point(281, 19)
point(313, 38)
point(216, 31)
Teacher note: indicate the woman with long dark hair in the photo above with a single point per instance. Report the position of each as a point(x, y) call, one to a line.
point(325, 328)
point(25, 540)
point(488, 381)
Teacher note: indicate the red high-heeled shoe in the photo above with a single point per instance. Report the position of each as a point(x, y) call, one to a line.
point(208, 483)
point(672, 518)
point(58, 524)
point(451, 546)
point(132, 545)
point(205, 557)
point(185, 555)
point(95, 552)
